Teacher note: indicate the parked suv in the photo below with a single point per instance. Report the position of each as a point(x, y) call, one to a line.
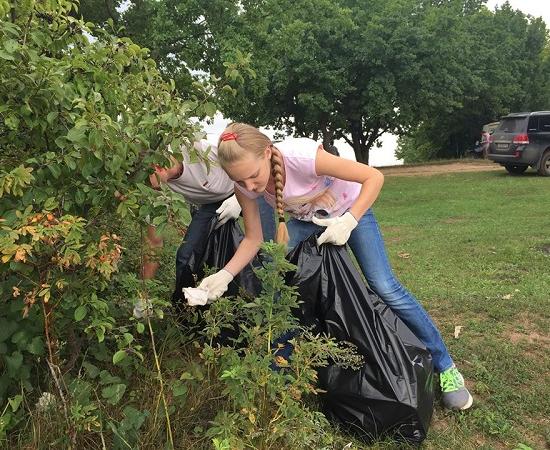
point(522, 140)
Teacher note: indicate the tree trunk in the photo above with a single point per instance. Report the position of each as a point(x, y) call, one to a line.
point(359, 142)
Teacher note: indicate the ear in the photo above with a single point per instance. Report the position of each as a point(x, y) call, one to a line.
point(268, 152)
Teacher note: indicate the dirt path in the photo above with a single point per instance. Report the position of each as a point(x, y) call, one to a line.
point(435, 169)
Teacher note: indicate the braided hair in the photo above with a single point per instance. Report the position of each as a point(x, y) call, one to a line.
point(277, 173)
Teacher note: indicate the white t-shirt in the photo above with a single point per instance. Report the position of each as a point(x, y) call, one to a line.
point(198, 184)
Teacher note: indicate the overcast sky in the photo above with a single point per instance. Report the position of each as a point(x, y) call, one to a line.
point(536, 8)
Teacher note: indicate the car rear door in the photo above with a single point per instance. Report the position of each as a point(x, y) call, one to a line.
point(503, 136)
point(539, 133)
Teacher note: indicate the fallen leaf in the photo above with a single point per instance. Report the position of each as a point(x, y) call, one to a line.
point(404, 255)
point(507, 297)
point(281, 362)
point(458, 329)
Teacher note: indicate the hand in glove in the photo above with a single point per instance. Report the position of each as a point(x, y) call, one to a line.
point(338, 229)
point(229, 209)
point(216, 284)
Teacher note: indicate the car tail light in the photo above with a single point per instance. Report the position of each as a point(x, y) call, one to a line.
point(521, 139)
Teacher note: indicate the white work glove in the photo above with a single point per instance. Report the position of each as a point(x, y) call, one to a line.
point(338, 229)
point(229, 209)
point(216, 284)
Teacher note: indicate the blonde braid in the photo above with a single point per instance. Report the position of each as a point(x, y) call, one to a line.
point(277, 172)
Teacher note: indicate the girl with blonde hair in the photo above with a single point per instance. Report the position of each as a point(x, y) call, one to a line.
point(318, 189)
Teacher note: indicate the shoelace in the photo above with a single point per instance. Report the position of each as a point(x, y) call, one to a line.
point(451, 380)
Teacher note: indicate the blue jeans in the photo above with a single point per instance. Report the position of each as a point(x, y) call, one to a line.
point(367, 245)
point(197, 233)
point(267, 216)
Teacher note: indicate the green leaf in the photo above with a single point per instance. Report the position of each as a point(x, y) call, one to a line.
point(179, 388)
point(91, 370)
point(96, 138)
point(15, 402)
point(76, 135)
point(36, 347)
point(70, 162)
point(51, 117)
point(55, 170)
point(51, 203)
point(11, 45)
point(210, 109)
point(80, 313)
point(6, 56)
point(113, 393)
point(100, 333)
point(13, 363)
point(140, 328)
point(119, 356)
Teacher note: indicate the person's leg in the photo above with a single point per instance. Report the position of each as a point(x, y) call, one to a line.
point(367, 245)
point(196, 235)
point(299, 230)
point(267, 216)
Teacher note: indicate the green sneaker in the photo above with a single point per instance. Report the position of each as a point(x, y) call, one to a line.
point(455, 394)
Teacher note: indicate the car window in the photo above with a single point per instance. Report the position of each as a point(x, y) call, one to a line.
point(544, 124)
point(533, 124)
point(512, 125)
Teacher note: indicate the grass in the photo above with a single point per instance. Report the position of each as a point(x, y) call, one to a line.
point(475, 250)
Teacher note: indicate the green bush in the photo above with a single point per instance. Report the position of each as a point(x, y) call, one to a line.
point(82, 119)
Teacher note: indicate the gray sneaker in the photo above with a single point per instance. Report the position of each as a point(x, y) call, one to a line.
point(455, 394)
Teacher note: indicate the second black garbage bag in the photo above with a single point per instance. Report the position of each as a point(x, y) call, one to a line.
point(219, 248)
point(392, 394)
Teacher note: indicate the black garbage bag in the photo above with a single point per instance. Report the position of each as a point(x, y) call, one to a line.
point(392, 394)
point(216, 252)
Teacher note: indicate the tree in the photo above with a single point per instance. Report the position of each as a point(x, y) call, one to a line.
point(354, 69)
point(506, 60)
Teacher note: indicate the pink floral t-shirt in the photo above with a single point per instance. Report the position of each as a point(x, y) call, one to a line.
point(306, 193)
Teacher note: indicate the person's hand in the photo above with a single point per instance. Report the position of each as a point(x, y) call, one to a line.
point(338, 229)
point(229, 209)
point(216, 284)
point(163, 174)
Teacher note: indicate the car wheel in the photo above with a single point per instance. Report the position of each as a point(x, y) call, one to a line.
point(544, 166)
point(515, 169)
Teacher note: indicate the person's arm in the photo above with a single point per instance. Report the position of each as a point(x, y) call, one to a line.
point(217, 283)
point(253, 236)
point(153, 241)
point(370, 178)
point(162, 174)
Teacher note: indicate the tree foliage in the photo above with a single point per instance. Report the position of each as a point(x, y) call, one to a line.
point(354, 69)
point(507, 63)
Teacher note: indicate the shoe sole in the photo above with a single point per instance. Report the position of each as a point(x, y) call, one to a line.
point(468, 403)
